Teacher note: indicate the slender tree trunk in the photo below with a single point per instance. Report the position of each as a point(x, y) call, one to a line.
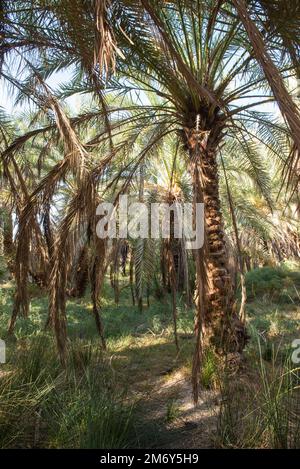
point(114, 271)
point(242, 313)
point(185, 269)
point(131, 277)
point(57, 306)
point(124, 255)
point(96, 307)
point(98, 269)
point(172, 276)
point(148, 295)
point(111, 276)
point(116, 285)
point(1, 239)
point(49, 241)
point(171, 246)
point(140, 303)
point(163, 267)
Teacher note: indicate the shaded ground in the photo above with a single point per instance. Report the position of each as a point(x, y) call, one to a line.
point(159, 382)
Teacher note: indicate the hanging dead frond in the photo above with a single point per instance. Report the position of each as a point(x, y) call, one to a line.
point(242, 312)
point(74, 161)
point(105, 42)
point(80, 273)
point(285, 102)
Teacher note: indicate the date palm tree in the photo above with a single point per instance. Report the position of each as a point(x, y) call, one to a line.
point(196, 58)
point(201, 65)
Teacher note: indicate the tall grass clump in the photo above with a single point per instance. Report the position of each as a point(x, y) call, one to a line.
point(85, 415)
point(42, 405)
point(280, 402)
point(278, 284)
point(264, 413)
point(238, 423)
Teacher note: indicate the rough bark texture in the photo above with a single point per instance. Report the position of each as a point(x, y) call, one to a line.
point(220, 325)
point(171, 245)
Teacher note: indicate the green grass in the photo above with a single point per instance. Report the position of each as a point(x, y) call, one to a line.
point(173, 411)
point(71, 411)
point(102, 400)
point(43, 405)
point(260, 405)
point(91, 404)
point(277, 284)
point(263, 412)
point(209, 370)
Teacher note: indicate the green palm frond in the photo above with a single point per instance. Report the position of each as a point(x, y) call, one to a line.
point(145, 260)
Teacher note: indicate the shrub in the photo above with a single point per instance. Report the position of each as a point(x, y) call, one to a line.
point(265, 280)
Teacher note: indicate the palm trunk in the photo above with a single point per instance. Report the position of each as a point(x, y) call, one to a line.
point(172, 274)
point(163, 267)
point(116, 285)
point(220, 326)
point(57, 307)
point(96, 284)
point(201, 286)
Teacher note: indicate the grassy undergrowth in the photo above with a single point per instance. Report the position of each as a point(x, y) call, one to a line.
point(43, 405)
point(91, 404)
point(100, 401)
point(260, 406)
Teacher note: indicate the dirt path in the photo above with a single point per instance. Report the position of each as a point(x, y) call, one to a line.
point(181, 424)
point(160, 384)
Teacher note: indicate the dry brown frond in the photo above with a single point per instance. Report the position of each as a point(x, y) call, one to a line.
point(105, 42)
point(285, 102)
point(74, 161)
